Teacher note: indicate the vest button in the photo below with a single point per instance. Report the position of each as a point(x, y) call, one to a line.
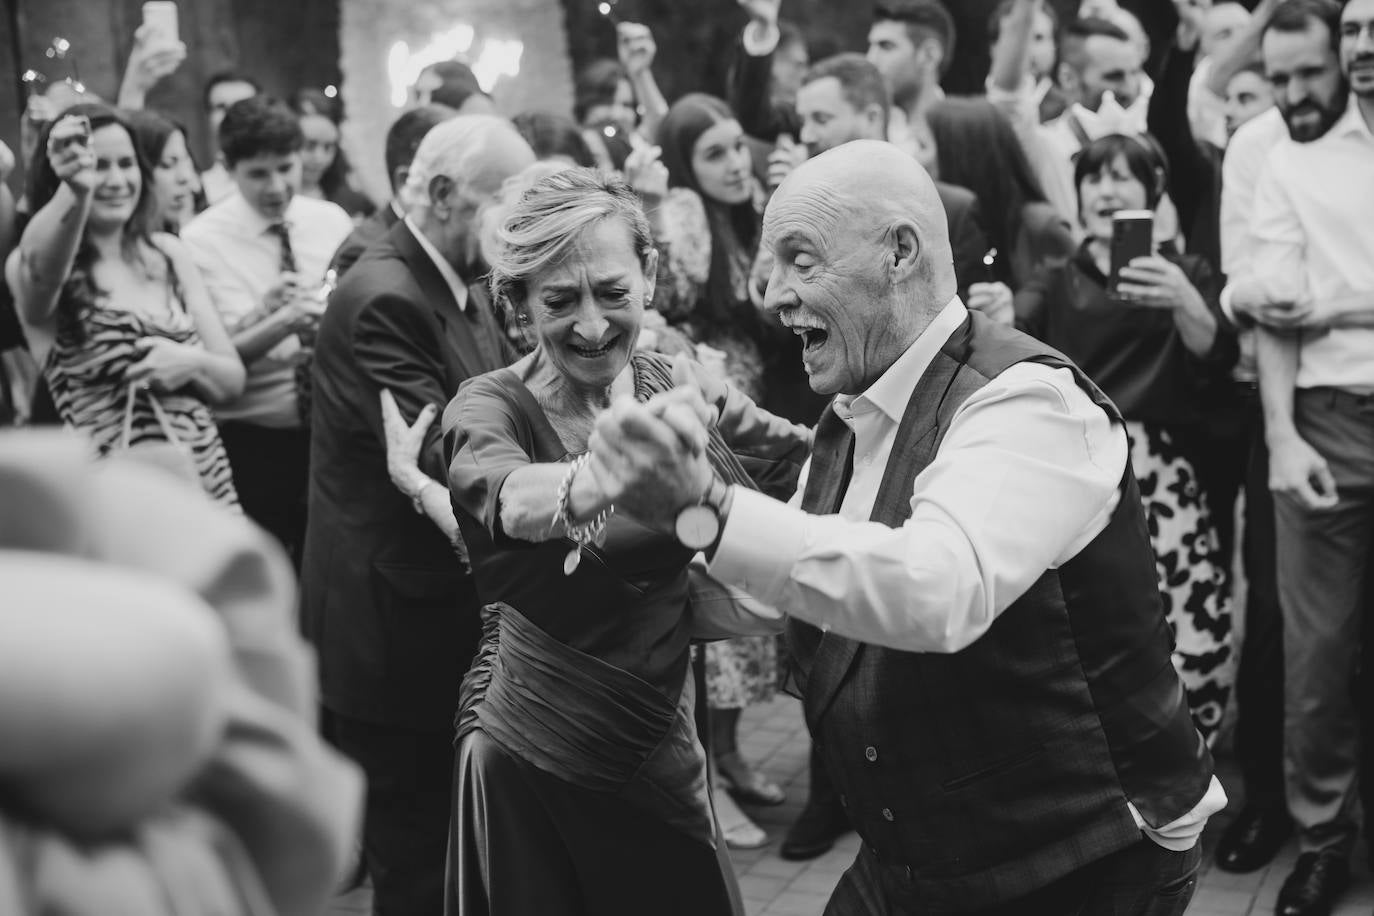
point(871, 753)
point(887, 814)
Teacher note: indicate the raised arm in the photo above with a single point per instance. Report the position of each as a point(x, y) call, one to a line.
point(1011, 55)
point(152, 59)
point(637, 50)
point(47, 249)
point(1242, 51)
point(751, 75)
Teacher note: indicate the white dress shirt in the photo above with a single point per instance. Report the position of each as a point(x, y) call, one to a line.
point(1026, 477)
point(217, 183)
point(240, 258)
point(455, 282)
point(1314, 237)
point(1246, 156)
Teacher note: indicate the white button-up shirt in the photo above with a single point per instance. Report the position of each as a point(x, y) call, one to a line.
point(1028, 474)
point(240, 258)
point(1313, 228)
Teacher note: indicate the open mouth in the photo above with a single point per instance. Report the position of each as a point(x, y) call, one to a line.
point(595, 352)
point(813, 336)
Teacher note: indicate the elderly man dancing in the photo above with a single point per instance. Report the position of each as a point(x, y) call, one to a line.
point(979, 641)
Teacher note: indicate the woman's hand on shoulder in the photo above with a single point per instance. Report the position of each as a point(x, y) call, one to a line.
point(403, 443)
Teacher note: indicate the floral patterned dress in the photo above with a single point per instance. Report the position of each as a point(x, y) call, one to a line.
point(740, 671)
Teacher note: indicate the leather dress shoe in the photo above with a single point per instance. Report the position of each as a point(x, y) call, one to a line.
point(814, 831)
point(1253, 838)
point(1318, 879)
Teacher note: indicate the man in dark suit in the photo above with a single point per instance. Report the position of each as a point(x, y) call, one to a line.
point(402, 140)
point(388, 604)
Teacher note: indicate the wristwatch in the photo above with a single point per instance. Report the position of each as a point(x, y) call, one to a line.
point(698, 526)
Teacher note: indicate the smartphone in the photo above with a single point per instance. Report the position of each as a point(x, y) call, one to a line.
point(78, 139)
point(1132, 237)
point(160, 16)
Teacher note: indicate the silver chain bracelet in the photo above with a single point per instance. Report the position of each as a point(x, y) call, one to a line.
point(580, 535)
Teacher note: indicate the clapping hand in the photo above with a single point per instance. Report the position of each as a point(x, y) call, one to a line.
point(993, 300)
point(785, 157)
point(70, 154)
point(646, 174)
point(650, 458)
point(636, 47)
point(6, 161)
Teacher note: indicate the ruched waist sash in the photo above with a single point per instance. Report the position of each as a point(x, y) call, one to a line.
point(587, 723)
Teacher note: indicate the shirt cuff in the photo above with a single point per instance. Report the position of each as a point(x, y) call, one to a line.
point(758, 42)
point(760, 544)
point(1225, 301)
point(1182, 834)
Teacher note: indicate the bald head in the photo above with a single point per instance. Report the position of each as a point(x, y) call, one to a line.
point(868, 185)
point(863, 260)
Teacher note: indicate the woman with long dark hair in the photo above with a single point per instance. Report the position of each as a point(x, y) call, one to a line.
point(976, 148)
point(324, 167)
point(115, 312)
point(176, 180)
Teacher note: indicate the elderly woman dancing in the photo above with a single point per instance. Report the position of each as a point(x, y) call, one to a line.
point(580, 784)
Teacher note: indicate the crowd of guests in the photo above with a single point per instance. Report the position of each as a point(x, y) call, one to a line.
point(264, 329)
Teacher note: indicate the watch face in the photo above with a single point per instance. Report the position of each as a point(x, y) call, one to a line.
point(697, 526)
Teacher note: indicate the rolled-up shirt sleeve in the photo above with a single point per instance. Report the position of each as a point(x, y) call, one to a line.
point(1028, 474)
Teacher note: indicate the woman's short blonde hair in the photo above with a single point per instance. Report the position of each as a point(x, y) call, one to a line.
point(543, 226)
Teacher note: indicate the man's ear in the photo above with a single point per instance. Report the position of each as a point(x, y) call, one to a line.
point(934, 54)
point(441, 194)
point(903, 248)
point(398, 178)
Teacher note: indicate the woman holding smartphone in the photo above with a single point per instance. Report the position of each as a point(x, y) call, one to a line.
point(1157, 344)
point(115, 313)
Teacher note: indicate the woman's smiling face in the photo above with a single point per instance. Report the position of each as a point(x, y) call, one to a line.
point(586, 310)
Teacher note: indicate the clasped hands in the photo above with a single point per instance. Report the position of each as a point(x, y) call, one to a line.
point(649, 459)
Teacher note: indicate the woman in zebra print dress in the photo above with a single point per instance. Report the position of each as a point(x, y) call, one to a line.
point(116, 314)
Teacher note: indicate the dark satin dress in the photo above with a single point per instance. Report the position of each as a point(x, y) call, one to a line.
point(579, 783)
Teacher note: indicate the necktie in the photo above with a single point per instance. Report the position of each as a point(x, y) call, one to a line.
point(307, 340)
point(288, 256)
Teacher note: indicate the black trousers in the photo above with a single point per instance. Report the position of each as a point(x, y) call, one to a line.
point(405, 821)
point(1259, 680)
point(1141, 880)
point(272, 474)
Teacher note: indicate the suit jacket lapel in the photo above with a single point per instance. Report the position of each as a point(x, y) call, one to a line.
point(456, 328)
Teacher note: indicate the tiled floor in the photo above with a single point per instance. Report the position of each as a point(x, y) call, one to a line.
point(774, 736)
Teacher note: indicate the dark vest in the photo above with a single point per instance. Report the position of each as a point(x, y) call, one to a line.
point(987, 773)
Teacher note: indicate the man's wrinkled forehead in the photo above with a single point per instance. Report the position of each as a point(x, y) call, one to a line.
point(812, 211)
